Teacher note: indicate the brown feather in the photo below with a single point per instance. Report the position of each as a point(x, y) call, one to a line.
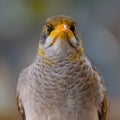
point(20, 108)
point(103, 113)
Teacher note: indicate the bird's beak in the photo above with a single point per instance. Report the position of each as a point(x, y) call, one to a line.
point(61, 32)
point(61, 27)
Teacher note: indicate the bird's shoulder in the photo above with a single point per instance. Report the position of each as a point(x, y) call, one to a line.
point(21, 85)
point(104, 103)
point(99, 77)
point(23, 77)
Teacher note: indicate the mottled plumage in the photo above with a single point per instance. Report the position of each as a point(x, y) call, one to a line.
point(61, 84)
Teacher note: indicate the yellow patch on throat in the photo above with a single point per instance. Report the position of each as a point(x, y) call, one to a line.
point(48, 61)
point(45, 59)
point(77, 55)
point(40, 52)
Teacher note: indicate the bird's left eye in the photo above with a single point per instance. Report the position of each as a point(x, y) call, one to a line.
point(49, 28)
point(72, 27)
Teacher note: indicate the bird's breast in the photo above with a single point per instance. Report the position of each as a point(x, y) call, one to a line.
point(65, 91)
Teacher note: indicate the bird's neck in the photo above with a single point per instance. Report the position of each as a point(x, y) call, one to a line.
point(56, 57)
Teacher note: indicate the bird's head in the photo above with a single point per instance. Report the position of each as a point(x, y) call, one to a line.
point(60, 36)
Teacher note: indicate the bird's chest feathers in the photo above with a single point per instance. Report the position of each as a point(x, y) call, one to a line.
point(63, 82)
point(64, 89)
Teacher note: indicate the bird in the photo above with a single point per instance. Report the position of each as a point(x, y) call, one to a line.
point(61, 83)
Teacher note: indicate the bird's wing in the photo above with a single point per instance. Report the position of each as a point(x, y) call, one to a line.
point(20, 108)
point(103, 111)
point(20, 90)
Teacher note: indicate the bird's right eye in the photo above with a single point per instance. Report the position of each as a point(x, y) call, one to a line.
point(49, 28)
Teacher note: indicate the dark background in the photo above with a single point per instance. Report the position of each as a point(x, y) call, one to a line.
point(21, 22)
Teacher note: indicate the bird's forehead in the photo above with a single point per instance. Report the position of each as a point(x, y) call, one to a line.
point(55, 21)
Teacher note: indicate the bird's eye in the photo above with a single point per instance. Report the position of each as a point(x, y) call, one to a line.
point(49, 28)
point(72, 27)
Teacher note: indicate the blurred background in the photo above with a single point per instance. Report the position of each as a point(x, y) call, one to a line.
point(20, 27)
